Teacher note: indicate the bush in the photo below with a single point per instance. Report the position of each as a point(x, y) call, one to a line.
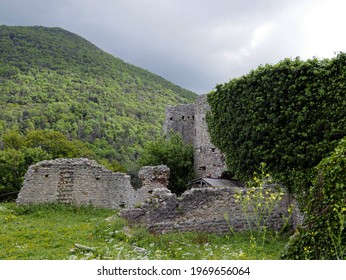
point(323, 235)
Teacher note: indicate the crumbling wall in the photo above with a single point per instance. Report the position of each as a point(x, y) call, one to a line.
point(84, 182)
point(80, 182)
point(208, 160)
point(152, 177)
point(181, 119)
point(212, 210)
point(190, 121)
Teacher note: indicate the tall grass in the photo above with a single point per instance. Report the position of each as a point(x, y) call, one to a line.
point(57, 231)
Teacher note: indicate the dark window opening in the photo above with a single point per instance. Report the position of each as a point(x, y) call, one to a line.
point(202, 168)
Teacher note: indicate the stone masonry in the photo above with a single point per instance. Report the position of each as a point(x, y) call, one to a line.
point(212, 209)
point(181, 119)
point(190, 121)
point(84, 182)
point(154, 177)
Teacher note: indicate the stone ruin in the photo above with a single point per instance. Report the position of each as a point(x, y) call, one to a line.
point(154, 177)
point(206, 208)
point(189, 120)
point(210, 209)
point(84, 182)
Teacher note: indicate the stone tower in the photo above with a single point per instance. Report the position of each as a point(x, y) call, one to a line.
point(190, 121)
point(181, 119)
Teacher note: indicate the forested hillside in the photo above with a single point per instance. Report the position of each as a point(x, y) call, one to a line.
point(51, 79)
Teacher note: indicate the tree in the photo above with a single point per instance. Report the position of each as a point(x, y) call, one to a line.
point(174, 153)
point(13, 165)
point(19, 151)
point(45, 84)
point(56, 144)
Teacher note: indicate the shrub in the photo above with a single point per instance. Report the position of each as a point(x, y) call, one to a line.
point(323, 235)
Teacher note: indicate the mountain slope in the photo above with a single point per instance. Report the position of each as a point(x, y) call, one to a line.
point(53, 79)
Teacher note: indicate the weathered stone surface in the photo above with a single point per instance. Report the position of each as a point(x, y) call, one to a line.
point(181, 119)
point(82, 182)
point(204, 209)
point(153, 177)
point(76, 181)
point(189, 120)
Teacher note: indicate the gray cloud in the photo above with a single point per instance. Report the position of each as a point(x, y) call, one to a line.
point(195, 44)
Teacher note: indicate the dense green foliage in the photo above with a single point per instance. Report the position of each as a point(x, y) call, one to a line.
point(19, 151)
point(323, 235)
point(51, 79)
point(40, 232)
point(174, 153)
point(289, 115)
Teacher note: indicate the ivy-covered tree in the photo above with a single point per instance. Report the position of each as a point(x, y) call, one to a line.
point(289, 115)
point(174, 153)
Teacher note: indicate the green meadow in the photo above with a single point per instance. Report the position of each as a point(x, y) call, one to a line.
point(60, 232)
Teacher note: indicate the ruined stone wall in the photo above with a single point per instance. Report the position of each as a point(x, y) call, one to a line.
point(181, 119)
point(208, 160)
point(154, 177)
point(81, 182)
point(84, 182)
point(212, 210)
point(190, 121)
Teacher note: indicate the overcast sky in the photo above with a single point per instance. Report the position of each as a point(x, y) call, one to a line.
point(194, 43)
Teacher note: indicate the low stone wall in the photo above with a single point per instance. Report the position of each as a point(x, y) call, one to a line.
point(82, 182)
point(211, 209)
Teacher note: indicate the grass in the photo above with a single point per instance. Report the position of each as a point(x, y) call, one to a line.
point(57, 232)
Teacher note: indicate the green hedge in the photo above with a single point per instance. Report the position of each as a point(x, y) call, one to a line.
point(289, 115)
